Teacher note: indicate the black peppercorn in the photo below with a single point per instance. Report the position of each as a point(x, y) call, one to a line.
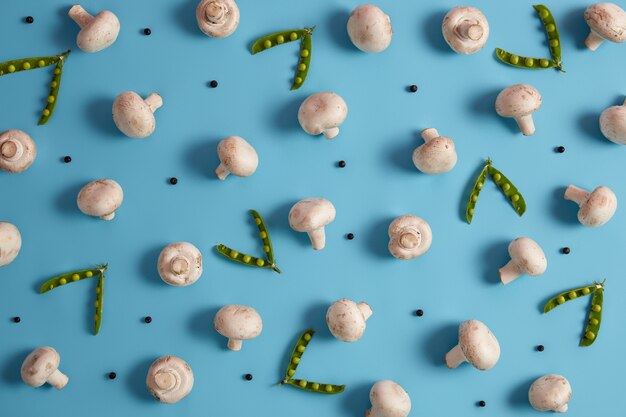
point(413, 88)
point(67, 159)
point(566, 250)
point(213, 84)
point(112, 375)
point(419, 313)
point(147, 32)
point(482, 404)
point(350, 236)
point(17, 319)
point(29, 19)
point(560, 149)
point(540, 348)
point(148, 319)
point(248, 377)
point(173, 180)
point(342, 164)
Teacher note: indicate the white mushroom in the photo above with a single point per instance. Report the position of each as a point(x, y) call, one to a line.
point(613, 124)
point(527, 257)
point(237, 157)
point(519, 101)
point(311, 215)
point(238, 323)
point(100, 198)
point(596, 208)
point(409, 237)
point(134, 116)
point(388, 399)
point(465, 29)
point(17, 151)
point(97, 32)
point(169, 379)
point(42, 366)
point(550, 393)
point(477, 345)
point(180, 264)
point(607, 21)
point(346, 319)
point(217, 18)
point(369, 28)
point(10, 243)
point(322, 113)
point(437, 155)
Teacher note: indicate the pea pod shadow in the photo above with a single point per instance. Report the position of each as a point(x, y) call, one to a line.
point(574, 24)
point(430, 29)
point(563, 210)
point(356, 398)
point(11, 370)
point(495, 256)
point(519, 395)
point(439, 342)
point(136, 381)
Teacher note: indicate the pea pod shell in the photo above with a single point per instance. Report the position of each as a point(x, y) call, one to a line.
point(519, 205)
point(320, 389)
point(303, 341)
point(522, 61)
point(53, 95)
point(598, 299)
point(554, 40)
point(239, 258)
point(471, 204)
point(99, 304)
point(553, 303)
point(267, 242)
point(55, 282)
point(304, 61)
point(25, 64)
point(259, 44)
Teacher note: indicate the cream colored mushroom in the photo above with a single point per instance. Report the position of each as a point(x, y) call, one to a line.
point(550, 393)
point(613, 124)
point(180, 264)
point(238, 323)
point(477, 345)
point(134, 116)
point(322, 113)
point(596, 208)
point(607, 21)
point(170, 379)
point(42, 366)
point(10, 243)
point(237, 157)
point(97, 32)
point(346, 319)
point(369, 28)
point(527, 257)
point(17, 151)
point(519, 101)
point(409, 237)
point(100, 198)
point(437, 155)
point(465, 29)
point(310, 216)
point(217, 18)
point(388, 399)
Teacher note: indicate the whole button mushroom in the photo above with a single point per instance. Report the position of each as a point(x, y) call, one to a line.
point(100, 198)
point(465, 29)
point(437, 155)
point(527, 257)
point(310, 216)
point(550, 393)
point(10, 243)
point(596, 208)
point(388, 399)
point(607, 21)
point(217, 18)
point(613, 123)
point(238, 323)
point(322, 113)
point(169, 379)
point(477, 345)
point(17, 151)
point(180, 264)
point(409, 237)
point(134, 116)
point(237, 157)
point(41, 366)
point(519, 101)
point(97, 32)
point(369, 28)
point(346, 319)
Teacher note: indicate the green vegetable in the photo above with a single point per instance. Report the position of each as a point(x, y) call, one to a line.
point(304, 61)
point(277, 38)
point(523, 62)
point(264, 234)
point(99, 303)
point(552, 33)
point(55, 84)
point(478, 186)
point(580, 292)
point(316, 387)
point(298, 350)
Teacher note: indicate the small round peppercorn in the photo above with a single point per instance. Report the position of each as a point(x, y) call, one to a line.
point(413, 88)
point(350, 236)
point(29, 19)
point(112, 375)
point(213, 84)
point(540, 348)
point(17, 319)
point(148, 319)
point(147, 31)
point(482, 404)
point(341, 164)
point(67, 159)
point(248, 377)
point(566, 250)
point(419, 313)
point(560, 149)
point(173, 180)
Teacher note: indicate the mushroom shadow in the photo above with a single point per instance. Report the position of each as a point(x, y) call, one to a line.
point(136, 381)
point(564, 210)
point(185, 15)
point(356, 399)
point(590, 124)
point(401, 156)
point(278, 223)
point(66, 200)
point(148, 265)
point(315, 318)
point(377, 238)
point(495, 256)
point(202, 158)
point(431, 30)
point(66, 32)
point(286, 118)
point(439, 342)
point(99, 113)
point(337, 22)
point(11, 370)
point(201, 325)
point(469, 186)
point(574, 24)
point(519, 395)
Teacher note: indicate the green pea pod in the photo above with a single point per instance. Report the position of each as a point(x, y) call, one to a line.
point(478, 186)
point(25, 64)
point(316, 387)
point(296, 354)
point(53, 95)
point(70, 277)
point(594, 319)
point(99, 303)
point(304, 62)
point(552, 33)
point(275, 39)
point(524, 62)
point(245, 259)
point(568, 296)
point(264, 234)
point(510, 191)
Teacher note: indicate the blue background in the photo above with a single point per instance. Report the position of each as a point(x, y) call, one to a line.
point(456, 280)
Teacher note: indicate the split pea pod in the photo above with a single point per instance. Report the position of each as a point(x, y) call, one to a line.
point(25, 64)
point(510, 191)
point(99, 303)
point(296, 354)
point(55, 84)
point(244, 259)
point(552, 33)
point(264, 235)
point(568, 296)
point(478, 186)
point(61, 280)
point(594, 318)
point(316, 387)
point(278, 38)
point(524, 62)
point(304, 62)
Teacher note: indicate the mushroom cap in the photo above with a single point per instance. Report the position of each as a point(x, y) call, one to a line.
point(599, 207)
point(238, 322)
point(100, 33)
point(170, 379)
point(389, 399)
point(311, 214)
point(518, 100)
point(464, 15)
point(10, 243)
point(239, 157)
point(478, 344)
point(613, 123)
point(409, 237)
point(321, 112)
point(133, 116)
point(226, 25)
point(607, 20)
point(17, 151)
point(180, 264)
point(528, 256)
point(436, 156)
point(346, 320)
point(100, 198)
point(39, 365)
point(550, 393)
point(369, 28)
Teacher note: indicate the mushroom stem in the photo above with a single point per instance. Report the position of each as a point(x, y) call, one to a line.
point(108, 217)
point(429, 134)
point(80, 15)
point(318, 238)
point(179, 265)
point(222, 172)
point(409, 239)
point(365, 309)
point(561, 409)
point(154, 101)
point(470, 30)
point(455, 357)
point(593, 41)
point(58, 379)
point(234, 344)
point(165, 380)
point(576, 194)
point(331, 133)
point(526, 124)
point(509, 272)
point(11, 150)
point(215, 12)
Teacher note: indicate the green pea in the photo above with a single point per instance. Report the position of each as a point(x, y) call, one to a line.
point(75, 277)
point(247, 258)
point(50, 99)
point(307, 336)
point(96, 304)
point(315, 386)
point(11, 68)
point(267, 44)
point(514, 59)
point(515, 197)
point(301, 349)
point(263, 235)
point(550, 27)
point(57, 71)
point(590, 335)
point(234, 253)
point(257, 221)
point(554, 43)
point(293, 36)
point(572, 295)
point(593, 322)
point(480, 185)
point(53, 84)
point(41, 63)
point(62, 281)
point(560, 299)
point(260, 262)
point(295, 360)
point(586, 291)
point(544, 13)
point(89, 274)
point(302, 383)
point(471, 211)
point(529, 62)
point(474, 198)
point(280, 39)
point(291, 372)
point(506, 187)
point(596, 308)
point(98, 290)
point(266, 249)
point(544, 63)
point(497, 177)
point(328, 388)
point(301, 67)
point(304, 53)
point(46, 112)
point(298, 80)
point(26, 65)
